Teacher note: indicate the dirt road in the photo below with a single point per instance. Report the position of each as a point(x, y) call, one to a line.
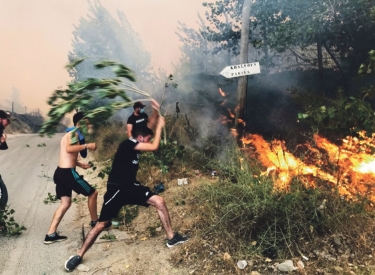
point(27, 168)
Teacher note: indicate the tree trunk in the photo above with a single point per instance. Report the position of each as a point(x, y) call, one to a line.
point(320, 63)
point(337, 63)
point(242, 82)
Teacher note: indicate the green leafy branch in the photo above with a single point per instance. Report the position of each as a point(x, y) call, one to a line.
point(79, 95)
point(8, 226)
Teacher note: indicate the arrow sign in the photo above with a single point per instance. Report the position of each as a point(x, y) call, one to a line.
point(241, 70)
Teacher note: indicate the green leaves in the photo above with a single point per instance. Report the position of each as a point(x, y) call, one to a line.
point(119, 69)
point(79, 95)
point(338, 117)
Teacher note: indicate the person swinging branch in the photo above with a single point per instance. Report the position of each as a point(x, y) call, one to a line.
point(123, 189)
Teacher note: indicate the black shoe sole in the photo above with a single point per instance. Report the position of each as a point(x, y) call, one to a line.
point(50, 242)
point(172, 245)
point(67, 269)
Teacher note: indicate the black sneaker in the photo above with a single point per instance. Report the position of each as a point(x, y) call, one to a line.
point(177, 239)
point(93, 223)
point(72, 263)
point(56, 238)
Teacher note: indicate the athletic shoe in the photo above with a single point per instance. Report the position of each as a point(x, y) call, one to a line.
point(56, 238)
point(177, 239)
point(93, 223)
point(72, 263)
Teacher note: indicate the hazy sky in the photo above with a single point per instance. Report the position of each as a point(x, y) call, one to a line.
point(36, 38)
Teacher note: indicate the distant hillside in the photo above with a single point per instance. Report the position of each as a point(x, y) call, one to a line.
point(27, 124)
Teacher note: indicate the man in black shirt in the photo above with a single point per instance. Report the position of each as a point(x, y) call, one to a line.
point(123, 189)
point(139, 119)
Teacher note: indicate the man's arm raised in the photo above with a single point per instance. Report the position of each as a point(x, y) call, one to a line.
point(154, 145)
point(154, 115)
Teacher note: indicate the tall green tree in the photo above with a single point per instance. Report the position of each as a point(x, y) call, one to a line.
point(299, 34)
point(342, 30)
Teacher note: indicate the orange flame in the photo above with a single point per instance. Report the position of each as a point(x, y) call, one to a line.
point(350, 166)
point(231, 114)
point(223, 94)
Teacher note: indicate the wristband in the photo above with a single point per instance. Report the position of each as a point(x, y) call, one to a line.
point(85, 146)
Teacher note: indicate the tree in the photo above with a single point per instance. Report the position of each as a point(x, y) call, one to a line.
point(102, 37)
point(224, 24)
point(299, 34)
point(199, 53)
point(342, 31)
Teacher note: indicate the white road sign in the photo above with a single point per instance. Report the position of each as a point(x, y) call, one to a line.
point(240, 70)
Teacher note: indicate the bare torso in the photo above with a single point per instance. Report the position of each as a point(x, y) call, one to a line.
point(67, 160)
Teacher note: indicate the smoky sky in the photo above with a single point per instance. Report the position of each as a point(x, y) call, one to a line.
point(36, 38)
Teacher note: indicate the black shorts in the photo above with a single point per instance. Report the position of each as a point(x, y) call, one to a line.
point(117, 196)
point(68, 180)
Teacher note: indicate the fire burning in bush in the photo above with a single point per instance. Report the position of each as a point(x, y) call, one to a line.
point(350, 167)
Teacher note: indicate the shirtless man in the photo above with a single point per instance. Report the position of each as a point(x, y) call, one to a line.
point(67, 179)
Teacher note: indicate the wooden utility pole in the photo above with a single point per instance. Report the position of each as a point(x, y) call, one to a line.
point(242, 81)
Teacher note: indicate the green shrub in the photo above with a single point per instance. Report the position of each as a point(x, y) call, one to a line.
point(165, 157)
point(252, 217)
point(8, 225)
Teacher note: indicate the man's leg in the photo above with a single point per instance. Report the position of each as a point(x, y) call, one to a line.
point(74, 261)
point(66, 202)
point(52, 236)
point(92, 205)
point(159, 203)
point(173, 238)
point(91, 237)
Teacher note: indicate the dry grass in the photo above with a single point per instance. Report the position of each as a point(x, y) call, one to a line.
point(108, 139)
point(341, 242)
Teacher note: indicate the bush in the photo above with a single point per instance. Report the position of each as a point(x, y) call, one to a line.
point(165, 157)
point(8, 225)
point(252, 217)
point(107, 139)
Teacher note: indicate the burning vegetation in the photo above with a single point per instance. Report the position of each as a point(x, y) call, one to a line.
point(350, 166)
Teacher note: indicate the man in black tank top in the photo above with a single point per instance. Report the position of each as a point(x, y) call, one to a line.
point(123, 189)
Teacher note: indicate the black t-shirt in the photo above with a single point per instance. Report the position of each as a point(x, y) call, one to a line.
point(138, 121)
point(125, 164)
